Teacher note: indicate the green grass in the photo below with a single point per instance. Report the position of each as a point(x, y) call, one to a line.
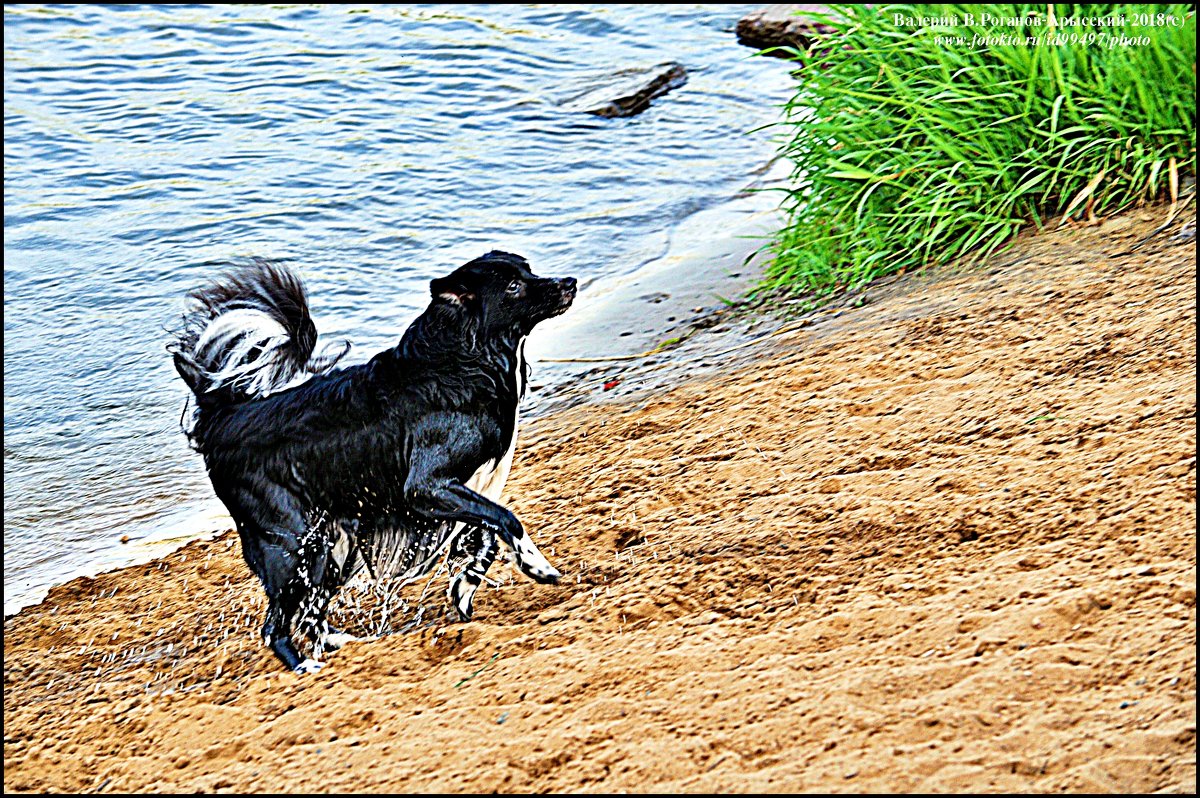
point(909, 151)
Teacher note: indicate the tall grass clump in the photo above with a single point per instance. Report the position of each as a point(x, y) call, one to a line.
point(914, 143)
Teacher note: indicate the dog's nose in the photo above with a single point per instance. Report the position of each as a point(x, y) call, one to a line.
point(568, 286)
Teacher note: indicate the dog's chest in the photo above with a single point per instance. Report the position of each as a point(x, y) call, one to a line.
point(490, 478)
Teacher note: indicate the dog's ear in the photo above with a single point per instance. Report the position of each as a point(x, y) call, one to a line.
point(450, 290)
point(506, 257)
point(192, 374)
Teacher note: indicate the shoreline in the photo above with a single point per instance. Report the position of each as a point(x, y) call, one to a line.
point(949, 529)
point(642, 318)
point(664, 298)
point(501, 161)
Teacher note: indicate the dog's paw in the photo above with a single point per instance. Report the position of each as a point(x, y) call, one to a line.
point(465, 613)
point(335, 640)
point(462, 594)
point(533, 563)
point(543, 576)
point(309, 666)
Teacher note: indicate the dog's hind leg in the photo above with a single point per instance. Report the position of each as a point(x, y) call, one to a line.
point(337, 561)
point(274, 558)
point(289, 561)
point(483, 550)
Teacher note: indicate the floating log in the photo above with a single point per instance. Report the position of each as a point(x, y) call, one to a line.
point(627, 92)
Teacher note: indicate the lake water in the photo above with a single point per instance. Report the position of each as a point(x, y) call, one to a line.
point(372, 147)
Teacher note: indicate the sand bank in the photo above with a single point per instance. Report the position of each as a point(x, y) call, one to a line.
point(943, 541)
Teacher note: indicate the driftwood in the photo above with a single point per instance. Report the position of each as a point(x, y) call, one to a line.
point(627, 92)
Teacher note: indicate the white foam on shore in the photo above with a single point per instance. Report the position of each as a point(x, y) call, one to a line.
point(157, 539)
point(710, 256)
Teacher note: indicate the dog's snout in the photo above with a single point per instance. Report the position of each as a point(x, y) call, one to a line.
point(559, 294)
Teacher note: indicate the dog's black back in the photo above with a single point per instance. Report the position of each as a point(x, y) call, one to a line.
point(327, 471)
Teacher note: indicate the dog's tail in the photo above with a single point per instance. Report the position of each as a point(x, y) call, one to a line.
point(248, 335)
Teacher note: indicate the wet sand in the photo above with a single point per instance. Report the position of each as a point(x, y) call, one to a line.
point(942, 541)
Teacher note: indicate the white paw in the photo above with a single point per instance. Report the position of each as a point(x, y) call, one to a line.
point(462, 595)
point(532, 562)
point(335, 640)
point(548, 575)
point(309, 666)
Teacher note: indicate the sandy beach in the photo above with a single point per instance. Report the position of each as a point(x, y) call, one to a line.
point(940, 538)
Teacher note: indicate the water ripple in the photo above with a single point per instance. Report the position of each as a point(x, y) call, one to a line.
point(371, 147)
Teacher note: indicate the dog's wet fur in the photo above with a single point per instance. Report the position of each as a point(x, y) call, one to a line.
point(328, 471)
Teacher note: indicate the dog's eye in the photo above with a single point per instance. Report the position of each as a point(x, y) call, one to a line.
point(514, 288)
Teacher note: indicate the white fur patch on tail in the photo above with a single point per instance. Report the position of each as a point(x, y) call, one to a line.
point(249, 334)
point(241, 349)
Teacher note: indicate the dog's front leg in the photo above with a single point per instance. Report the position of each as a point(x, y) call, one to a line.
point(482, 549)
point(447, 500)
point(444, 450)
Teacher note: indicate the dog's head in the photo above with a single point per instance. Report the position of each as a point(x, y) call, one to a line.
point(500, 294)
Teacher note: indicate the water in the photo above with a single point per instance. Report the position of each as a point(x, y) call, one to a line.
point(371, 147)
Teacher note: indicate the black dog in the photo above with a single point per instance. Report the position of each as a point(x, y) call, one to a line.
point(379, 466)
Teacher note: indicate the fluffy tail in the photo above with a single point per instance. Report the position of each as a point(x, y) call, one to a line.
point(248, 335)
